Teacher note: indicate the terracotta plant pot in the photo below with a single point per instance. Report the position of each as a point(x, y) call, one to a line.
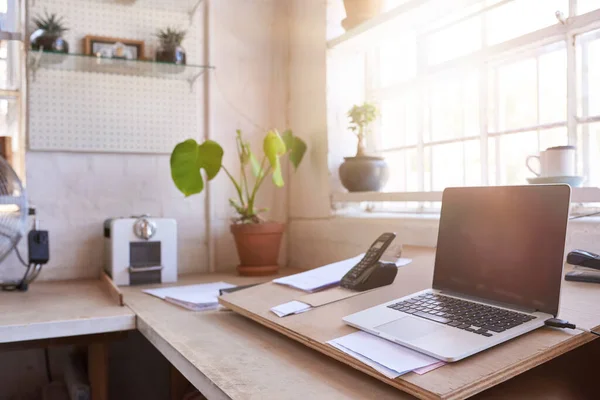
point(359, 11)
point(258, 247)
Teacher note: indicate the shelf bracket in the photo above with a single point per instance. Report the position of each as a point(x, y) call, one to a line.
point(35, 62)
point(193, 80)
point(193, 10)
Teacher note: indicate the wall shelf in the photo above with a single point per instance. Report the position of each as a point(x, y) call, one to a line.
point(92, 64)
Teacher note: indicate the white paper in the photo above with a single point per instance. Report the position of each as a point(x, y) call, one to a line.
point(210, 305)
point(429, 368)
point(193, 297)
point(292, 307)
point(385, 353)
point(326, 276)
point(390, 373)
point(320, 278)
point(176, 291)
point(401, 262)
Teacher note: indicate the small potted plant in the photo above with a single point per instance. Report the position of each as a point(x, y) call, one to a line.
point(170, 49)
point(363, 173)
point(359, 11)
point(48, 34)
point(257, 241)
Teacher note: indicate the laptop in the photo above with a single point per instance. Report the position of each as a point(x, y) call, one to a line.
point(497, 274)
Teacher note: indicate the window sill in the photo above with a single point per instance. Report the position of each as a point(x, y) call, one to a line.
point(578, 195)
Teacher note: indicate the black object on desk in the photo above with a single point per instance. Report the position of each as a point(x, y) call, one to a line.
point(582, 258)
point(236, 288)
point(370, 273)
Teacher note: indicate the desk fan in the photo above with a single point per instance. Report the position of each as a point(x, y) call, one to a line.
point(13, 222)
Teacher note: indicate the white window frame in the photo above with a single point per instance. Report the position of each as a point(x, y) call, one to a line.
point(565, 32)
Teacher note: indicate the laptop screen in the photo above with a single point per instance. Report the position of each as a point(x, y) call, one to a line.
point(504, 244)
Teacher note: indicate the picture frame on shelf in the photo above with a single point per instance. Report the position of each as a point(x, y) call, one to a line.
point(108, 47)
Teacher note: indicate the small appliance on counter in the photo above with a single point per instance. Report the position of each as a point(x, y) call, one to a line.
point(141, 250)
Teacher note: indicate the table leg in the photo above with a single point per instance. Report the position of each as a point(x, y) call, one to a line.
point(98, 370)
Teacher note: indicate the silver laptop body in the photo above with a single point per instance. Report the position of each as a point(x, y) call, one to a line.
point(497, 273)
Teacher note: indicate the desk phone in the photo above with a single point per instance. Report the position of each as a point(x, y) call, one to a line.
point(370, 273)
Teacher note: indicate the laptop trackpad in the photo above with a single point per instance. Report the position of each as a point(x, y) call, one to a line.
point(409, 328)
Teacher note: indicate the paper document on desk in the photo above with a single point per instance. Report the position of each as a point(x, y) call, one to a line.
point(199, 297)
point(391, 359)
point(290, 308)
point(326, 276)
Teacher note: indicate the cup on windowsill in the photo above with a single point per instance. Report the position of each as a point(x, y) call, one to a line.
point(555, 165)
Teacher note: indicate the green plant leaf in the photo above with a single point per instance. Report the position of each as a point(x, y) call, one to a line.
point(274, 147)
point(295, 146)
point(188, 158)
point(256, 168)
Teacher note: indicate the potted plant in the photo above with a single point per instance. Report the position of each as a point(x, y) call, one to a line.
point(359, 11)
point(48, 34)
point(257, 241)
point(170, 49)
point(363, 173)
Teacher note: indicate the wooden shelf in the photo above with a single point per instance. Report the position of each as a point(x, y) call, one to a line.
point(374, 23)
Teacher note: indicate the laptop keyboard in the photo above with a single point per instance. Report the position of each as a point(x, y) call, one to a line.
point(471, 317)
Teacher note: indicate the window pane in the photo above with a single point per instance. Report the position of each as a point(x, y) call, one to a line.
point(447, 166)
point(553, 137)
point(588, 59)
point(455, 41)
point(472, 163)
point(9, 64)
point(454, 107)
point(398, 122)
point(396, 161)
point(345, 87)
point(517, 95)
point(520, 17)
point(9, 127)
point(553, 86)
point(592, 150)
point(398, 60)
point(584, 6)
point(513, 151)
point(403, 167)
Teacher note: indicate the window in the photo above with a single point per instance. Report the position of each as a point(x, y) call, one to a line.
point(12, 77)
point(467, 94)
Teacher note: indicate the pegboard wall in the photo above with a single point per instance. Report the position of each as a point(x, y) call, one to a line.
point(88, 111)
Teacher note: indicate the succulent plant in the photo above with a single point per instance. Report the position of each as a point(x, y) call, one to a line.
point(52, 24)
point(171, 37)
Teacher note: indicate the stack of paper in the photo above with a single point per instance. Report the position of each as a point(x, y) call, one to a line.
point(292, 307)
point(391, 359)
point(193, 297)
point(326, 276)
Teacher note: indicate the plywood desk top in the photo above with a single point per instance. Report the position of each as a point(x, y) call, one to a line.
point(228, 356)
point(579, 304)
point(60, 309)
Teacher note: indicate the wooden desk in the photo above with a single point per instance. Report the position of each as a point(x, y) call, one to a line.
point(579, 304)
point(58, 313)
point(225, 355)
point(60, 309)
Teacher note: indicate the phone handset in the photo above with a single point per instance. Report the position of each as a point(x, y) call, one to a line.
point(370, 273)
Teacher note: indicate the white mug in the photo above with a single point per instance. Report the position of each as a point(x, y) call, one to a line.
point(555, 162)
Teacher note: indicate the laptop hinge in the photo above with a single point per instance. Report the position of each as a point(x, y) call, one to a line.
point(487, 301)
